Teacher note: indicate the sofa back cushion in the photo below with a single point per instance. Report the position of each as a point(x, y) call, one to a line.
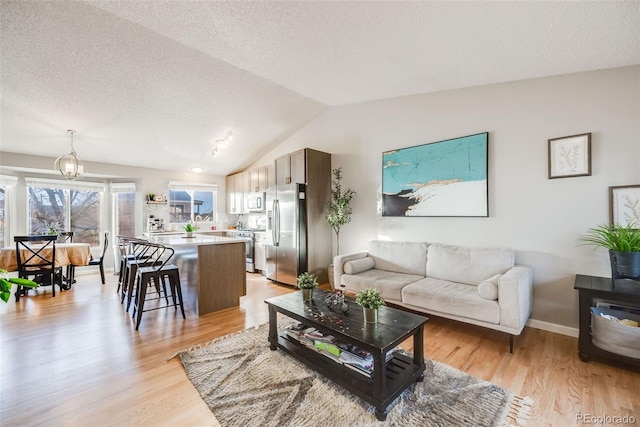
point(467, 265)
point(399, 257)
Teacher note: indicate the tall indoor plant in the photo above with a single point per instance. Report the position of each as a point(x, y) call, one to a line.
point(339, 207)
point(623, 243)
point(338, 210)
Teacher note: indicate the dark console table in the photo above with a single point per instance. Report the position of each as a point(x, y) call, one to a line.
point(394, 326)
point(623, 291)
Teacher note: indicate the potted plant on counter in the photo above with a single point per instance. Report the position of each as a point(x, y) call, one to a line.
point(338, 211)
point(623, 243)
point(190, 228)
point(307, 282)
point(370, 300)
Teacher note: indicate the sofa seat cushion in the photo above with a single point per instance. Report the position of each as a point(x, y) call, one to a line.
point(467, 265)
point(399, 257)
point(389, 284)
point(453, 298)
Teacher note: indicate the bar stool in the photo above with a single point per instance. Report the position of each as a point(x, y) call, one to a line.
point(154, 274)
point(133, 252)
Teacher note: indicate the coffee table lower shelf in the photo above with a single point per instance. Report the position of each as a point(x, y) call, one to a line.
point(400, 373)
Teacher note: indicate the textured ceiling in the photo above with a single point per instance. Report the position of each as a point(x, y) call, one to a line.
point(151, 83)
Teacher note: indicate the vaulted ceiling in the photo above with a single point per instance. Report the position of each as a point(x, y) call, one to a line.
point(154, 83)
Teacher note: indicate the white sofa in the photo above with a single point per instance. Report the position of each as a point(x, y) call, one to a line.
point(481, 286)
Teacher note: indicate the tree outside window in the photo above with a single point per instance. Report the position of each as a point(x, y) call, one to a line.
point(66, 210)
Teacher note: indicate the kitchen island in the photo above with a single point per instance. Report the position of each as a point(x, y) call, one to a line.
point(212, 270)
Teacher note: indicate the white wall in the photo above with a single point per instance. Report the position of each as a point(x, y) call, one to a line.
point(540, 218)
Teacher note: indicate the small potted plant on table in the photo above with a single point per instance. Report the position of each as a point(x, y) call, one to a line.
point(307, 282)
point(370, 300)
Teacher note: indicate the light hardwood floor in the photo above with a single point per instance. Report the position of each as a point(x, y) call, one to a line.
point(76, 360)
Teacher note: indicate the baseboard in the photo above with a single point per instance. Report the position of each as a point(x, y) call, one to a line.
point(552, 327)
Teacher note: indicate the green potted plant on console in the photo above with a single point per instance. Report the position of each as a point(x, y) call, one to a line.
point(307, 282)
point(370, 300)
point(623, 243)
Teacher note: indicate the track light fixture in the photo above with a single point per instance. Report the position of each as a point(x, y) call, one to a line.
point(221, 144)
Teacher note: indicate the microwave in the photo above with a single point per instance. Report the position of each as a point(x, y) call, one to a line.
point(255, 202)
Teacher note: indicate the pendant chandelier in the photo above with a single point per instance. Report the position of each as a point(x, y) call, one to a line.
point(68, 164)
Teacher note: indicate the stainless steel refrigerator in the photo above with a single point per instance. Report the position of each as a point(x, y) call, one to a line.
point(286, 210)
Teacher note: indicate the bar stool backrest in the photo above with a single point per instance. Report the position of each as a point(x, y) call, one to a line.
point(155, 255)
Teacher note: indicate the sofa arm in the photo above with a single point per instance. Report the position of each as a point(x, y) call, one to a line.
point(515, 297)
point(338, 265)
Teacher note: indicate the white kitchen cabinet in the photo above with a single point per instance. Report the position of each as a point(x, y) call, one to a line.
point(237, 189)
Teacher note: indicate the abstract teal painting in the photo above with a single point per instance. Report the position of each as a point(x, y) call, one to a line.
point(446, 178)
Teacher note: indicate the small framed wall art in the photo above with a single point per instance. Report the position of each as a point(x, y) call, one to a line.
point(570, 156)
point(624, 205)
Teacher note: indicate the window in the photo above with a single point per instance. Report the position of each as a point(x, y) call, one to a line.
point(58, 206)
point(186, 201)
point(7, 190)
point(3, 232)
point(124, 209)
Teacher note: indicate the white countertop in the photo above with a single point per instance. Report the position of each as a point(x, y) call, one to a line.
point(197, 239)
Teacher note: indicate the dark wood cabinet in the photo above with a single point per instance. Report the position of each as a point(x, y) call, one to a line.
point(292, 168)
point(591, 289)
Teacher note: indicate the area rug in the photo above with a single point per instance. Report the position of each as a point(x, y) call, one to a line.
point(246, 384)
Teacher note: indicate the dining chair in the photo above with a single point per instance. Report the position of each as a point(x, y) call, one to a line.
point(96, 261)
point(36, 257)
point(66, 237)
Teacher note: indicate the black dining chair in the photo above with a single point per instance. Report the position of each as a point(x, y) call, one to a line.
point(66, 237)
point(36, 257)
point(97, 261)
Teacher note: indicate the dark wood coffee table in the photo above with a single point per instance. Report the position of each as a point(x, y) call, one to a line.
point(389, 378)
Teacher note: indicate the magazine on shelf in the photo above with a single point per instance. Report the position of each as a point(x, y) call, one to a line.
point(357, 368)
point(346, 354)
point(317, 335)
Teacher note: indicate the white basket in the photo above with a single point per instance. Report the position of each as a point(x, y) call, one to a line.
point(613, 336)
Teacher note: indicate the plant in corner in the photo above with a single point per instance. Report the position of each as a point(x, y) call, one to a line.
point(307, 282)
point(6, 283)
point(339, 207)
point(370, 300)
point(338, 211)
point(623, 243)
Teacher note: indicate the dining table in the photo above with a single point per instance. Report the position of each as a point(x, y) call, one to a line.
point(66, 254)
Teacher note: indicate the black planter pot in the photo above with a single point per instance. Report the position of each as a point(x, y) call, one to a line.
point(625, 265)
